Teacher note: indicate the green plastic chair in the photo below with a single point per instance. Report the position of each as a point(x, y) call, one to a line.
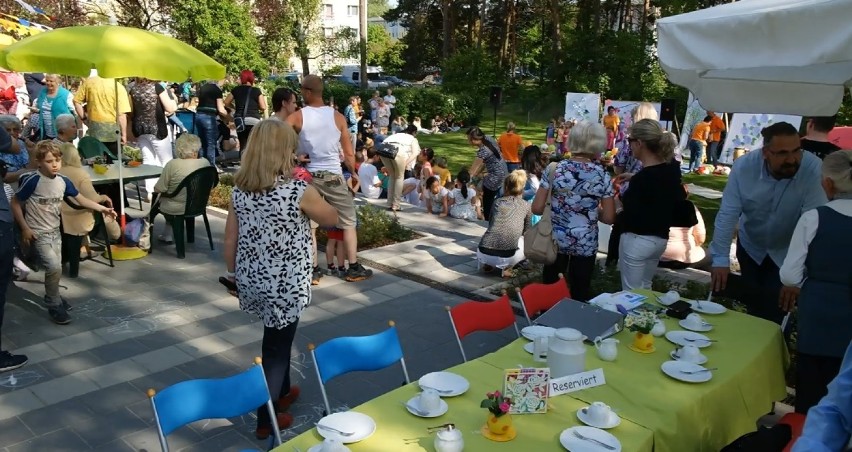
point(90, 147)
point(198, 186)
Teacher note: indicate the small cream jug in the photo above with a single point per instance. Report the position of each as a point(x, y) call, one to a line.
point(449, 439)
point(607, 348)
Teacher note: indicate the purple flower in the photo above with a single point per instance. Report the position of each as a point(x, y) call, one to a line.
point(504, 407)
point(496, 393)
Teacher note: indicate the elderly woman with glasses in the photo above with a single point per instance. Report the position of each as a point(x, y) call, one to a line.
point(817, 275)
point(53, 101)
point(187, 147)
point(16, 163)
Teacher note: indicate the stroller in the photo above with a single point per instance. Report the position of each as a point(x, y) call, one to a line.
point(226, 155)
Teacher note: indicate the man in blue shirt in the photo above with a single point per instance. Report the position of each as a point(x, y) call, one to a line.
point(8, 361)
point(829, 424)
point(767, 192)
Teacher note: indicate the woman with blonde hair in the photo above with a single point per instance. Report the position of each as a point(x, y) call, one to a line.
point(77, 224)
point(649, 205)
point(187, 147)
point(502, 245)
point(817, 275)
point(268, 252)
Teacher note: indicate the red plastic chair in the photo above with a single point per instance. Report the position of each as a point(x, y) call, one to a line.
point(537, 297)
point(473, 316)
point(796, 421)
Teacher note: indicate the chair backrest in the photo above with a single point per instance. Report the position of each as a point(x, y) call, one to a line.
point(346, 354)
point(90, 147)
point(473, 316)
point(193, 400)
point(198, 185)
point(537, 297)
point(187, 118)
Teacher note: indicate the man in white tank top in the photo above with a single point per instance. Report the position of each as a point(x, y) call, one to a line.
point(323, 132)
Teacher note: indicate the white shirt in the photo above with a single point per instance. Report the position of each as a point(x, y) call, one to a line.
point(320, 139)
point(390, 100)
point(413, 197)
point(369, 177)
point(407, 144)
point(792, 272)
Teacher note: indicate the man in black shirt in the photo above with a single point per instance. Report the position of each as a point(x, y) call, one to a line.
point(816, 141)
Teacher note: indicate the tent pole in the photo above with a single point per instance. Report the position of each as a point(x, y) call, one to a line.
point(120, 161)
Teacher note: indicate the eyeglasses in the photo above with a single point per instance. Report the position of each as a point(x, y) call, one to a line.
point(305, 88)
point(786, 154)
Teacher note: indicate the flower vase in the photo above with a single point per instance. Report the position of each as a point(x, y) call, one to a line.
point(499, 428)
point(643, 343)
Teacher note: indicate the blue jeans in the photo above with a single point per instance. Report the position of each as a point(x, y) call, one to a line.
point(713, 151)
point(512, 166)
point(208, 131)
point(696, 153)
point(7, 253)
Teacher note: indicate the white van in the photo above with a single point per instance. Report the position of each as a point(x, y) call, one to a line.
point(352, 73)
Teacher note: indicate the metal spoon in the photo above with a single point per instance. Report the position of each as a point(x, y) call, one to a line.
point(332, 429)
point(690, 372)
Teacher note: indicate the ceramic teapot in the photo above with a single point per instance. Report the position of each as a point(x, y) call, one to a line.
point(449, 439)
point(607, 349)
point(566, 354)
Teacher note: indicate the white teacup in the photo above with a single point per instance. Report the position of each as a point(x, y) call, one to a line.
point(599, 413)
point(670, 297)
point(689, 353)
point(429, 400)
point(695, 321)
point(332, 445)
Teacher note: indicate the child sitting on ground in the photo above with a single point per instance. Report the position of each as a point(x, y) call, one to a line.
point(335, 248)
point(461, 198)
point(436, 197)
point(36, 207)
point(440, 169)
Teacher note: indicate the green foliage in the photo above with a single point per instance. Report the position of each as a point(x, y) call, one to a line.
point(222, 29)
point(220, 196)
point(844, 116)
point(377, 228)
point(377, 8)
point(384, 51)
point(471, 71)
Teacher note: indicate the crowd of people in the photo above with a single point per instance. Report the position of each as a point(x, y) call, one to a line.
point(300, 168)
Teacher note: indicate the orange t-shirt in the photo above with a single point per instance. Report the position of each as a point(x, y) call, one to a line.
point(699, 132)
point(611, 122)
point(510, 144)
point(716, 128)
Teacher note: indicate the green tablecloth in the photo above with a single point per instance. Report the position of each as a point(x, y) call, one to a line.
point(751, 356)
point(399, 431)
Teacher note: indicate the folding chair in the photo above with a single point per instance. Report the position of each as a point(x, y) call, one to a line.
point(473, 316)
point(346, 354)
point(194, 400)
point(90, 147)
point(536, 297)
point(796, 421)
point(198, 185)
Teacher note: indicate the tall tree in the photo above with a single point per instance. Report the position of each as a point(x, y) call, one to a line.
point(305, 30)
point(222, 29)
point(274, 24)
point(62, 13)
point(377, 8)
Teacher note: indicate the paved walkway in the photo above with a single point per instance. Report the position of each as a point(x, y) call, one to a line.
point(156, 321)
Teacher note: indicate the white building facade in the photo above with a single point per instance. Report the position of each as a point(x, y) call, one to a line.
point(394, 29)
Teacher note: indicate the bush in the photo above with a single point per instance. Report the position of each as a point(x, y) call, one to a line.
point(220, 196)
point(375, 229)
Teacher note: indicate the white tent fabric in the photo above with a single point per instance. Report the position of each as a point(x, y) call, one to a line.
point(771, 56)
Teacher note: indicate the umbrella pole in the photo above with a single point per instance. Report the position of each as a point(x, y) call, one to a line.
point(120, 162)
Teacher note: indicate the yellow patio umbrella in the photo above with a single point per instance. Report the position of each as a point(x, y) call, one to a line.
point(6, 40)
point(115, 52)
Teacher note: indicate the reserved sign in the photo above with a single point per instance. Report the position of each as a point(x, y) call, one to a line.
point(577, 382)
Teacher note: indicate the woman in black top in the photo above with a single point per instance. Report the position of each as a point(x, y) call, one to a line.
point(248, 103)
point(649, 204)
point(210, 107)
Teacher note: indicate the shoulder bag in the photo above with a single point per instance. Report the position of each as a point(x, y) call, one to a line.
point(240, 121)
point(388, 150)
point(539, 246)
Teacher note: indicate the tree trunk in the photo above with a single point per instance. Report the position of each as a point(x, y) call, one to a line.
point(506, 33)
point(447, 22)
point(556, 37)
point(306, 70)
point(482, 18)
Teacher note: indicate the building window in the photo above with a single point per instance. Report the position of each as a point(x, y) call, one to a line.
point(328, 10)
point(352, 10)
point(328, 32)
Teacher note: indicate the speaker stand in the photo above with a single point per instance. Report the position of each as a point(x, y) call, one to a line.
point(495, 121)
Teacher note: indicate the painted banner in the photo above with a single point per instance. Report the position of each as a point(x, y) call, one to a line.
point(744, 132)
point(624, 110)
point(694, 114)
point(583, 107)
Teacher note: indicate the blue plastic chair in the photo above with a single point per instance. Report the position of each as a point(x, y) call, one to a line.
point(193, 400)
point(346, 354)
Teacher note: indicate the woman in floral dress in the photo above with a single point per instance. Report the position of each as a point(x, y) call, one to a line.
point(582, 194)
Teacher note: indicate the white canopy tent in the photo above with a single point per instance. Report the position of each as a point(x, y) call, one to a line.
point(769, 56)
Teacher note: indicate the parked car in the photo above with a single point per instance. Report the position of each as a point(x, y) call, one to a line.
point(393, 80)
point(352, 72)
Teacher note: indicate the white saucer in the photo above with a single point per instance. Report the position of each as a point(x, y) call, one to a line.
point(574, 444)
point(701, 358)
point(702, 328)
point(533, 331)
point(361, 425)
point(318, 448)
point(415, 403)
point(529, 347)
point(447, 384)
point(708, 307)
point(696, 339)
point(674, 368)
point(614, 420)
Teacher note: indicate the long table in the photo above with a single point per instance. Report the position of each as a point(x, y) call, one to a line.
point(128, 174)
point(658, 413)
